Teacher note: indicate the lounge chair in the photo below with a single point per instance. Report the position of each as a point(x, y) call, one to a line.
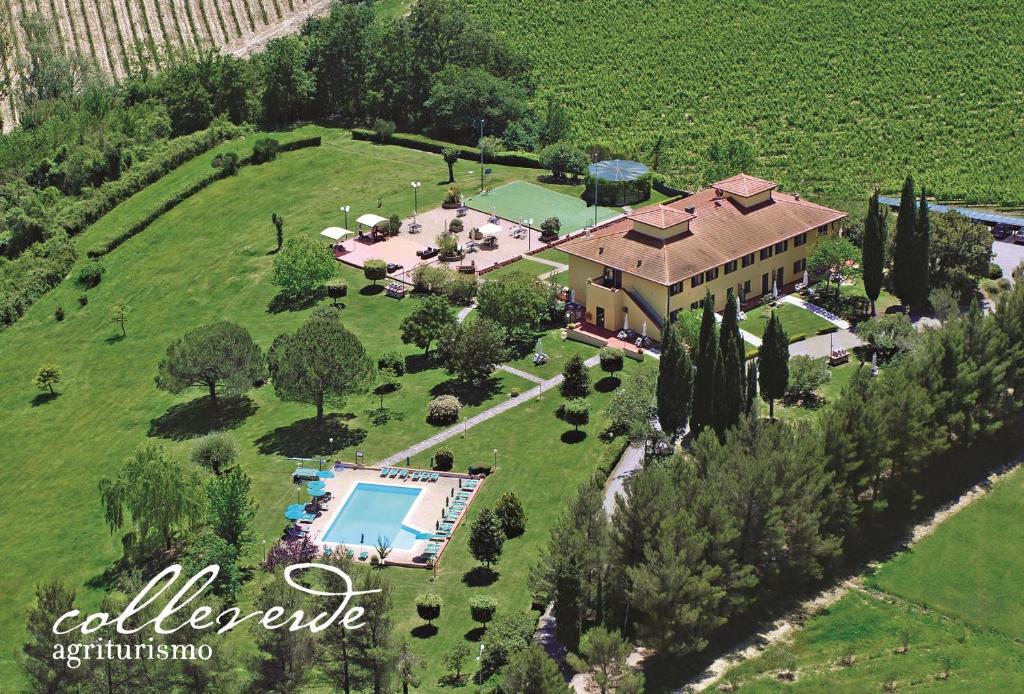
point(434, 477)
point(384, 472)
point(293, 531)
point(363, 555)
point(403, 474)
point(393, 473)
point(440, 537)
point(308, 517)
point(415, 476)
point(446, 527)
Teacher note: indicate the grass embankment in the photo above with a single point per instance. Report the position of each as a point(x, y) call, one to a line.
point(955, 601)
point(209, 259)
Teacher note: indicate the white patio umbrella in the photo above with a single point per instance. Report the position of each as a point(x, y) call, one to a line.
point(807, 279)
point(737, 297)
point(625, 323)
point(539, 349)
point(572, 296)
point(643, 329)
point(775, 290)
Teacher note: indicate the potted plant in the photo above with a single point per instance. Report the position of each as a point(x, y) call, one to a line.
point(452, 198)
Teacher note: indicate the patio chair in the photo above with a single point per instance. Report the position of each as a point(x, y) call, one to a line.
point(393, 473)
point(384, 472)
point(434, 477)
point(363, 555)
point(403, 474)
point(415, 476)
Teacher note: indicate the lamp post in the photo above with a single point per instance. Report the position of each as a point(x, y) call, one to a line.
point(359, 458)
point(330, 453)
point(495, 457)
point(345, 209)
point(529, 237)
point(595, 200)
point(480, 144)
point(415, 198)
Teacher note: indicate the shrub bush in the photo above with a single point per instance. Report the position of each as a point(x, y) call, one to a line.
point(91, 274)
point(426, 144)
point(481, 469)
point(549, 229)
point(226, 163)
point(514, 393)
point(482, 608)
point(433, 279)
point(994, 271)
point(392, 361)
point(461, 289)
point(611, 360)
point(35, 272)
point(829, 329)
point(444, 459)
point(797, 338)
point(59, 313)
point(509, 633)
point(443, 409)
point(456, 227)
point(383, 130)
point(452, 198)
point(428, 606)
point(336, 288)
point(83, 300)
point(265, 150)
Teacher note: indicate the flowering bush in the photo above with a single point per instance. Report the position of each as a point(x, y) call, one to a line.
point(443, 409)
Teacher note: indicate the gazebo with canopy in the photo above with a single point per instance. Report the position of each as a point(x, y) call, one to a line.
point(371, 222)
point(618, 182)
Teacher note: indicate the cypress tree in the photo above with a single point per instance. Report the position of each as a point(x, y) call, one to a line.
point(732, 397)
point(751, 390)
point(903, 247)
point(922, 243)
point(704, 381)
point(721, 411)
point(774, 369)
point(675, 382)
point(873, 251)
point(576, 383)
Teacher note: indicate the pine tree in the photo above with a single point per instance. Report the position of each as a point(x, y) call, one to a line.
point(675, 382)
point(731, 398)
point(774, 368)
point(486, 538)
point(922, 261)
point(751, 390)
point(873, 251)
point(576, 383)
point(903, 247)
point(704, 380)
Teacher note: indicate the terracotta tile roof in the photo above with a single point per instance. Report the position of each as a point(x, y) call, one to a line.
point(720, 231)
point(660, 216)
point(744, 185)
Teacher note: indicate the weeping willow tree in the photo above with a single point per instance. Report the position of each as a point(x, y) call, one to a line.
point(158, 492)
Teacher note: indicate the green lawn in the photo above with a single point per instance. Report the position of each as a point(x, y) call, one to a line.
point(829, 392)
point(871, 630)
point(795, 320)
point(554, 254)
point(525, 265)
point(558, 351)
point(955, 595)
point(970, 568)
point(208, 259)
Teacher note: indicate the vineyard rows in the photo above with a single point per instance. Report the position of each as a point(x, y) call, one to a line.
point(117, 35)
point(835, 95)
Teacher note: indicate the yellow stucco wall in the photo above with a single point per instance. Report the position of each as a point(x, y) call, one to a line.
point(594, 295)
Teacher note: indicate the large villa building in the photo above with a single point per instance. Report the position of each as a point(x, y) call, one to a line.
point(659, 260)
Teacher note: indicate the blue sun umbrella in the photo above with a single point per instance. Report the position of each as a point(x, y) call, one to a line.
point(325, 474)
point(317, 492)
point(301, 507)
point(316, 485)
point(294, 513)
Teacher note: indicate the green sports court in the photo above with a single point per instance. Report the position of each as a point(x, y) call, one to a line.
point(520, 200)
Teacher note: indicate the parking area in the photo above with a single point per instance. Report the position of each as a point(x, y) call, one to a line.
point(1008, 255)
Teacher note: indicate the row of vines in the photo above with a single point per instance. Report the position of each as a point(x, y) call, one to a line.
point(835, 95)
point(121, 35)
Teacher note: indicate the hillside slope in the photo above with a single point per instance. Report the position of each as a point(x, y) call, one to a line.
point(121, 34)
point(836, 95)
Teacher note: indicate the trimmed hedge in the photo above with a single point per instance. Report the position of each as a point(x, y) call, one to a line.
point(35, 272)
point(830, 329)
point(426, 144)
point(179, 197)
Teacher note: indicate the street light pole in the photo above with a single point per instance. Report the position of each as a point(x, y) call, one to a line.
point(595, 200)
point(345, 209)
point(415, 198)
point(481, 145)
point(495, 457)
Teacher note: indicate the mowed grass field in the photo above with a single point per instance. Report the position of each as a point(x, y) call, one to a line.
point(955, 598)
point(795, 320)
point(206, 260)
point(835, 96)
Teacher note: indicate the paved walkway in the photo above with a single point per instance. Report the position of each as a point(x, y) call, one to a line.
point(821, 345)
point(463, 312)
point(749, 337)
point(816, 310)
point(520, 373)
point(632, 460)
point(553, 263)
point(453, 431)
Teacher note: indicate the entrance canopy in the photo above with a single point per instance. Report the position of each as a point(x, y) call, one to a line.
point(335, 233)
point(371, 220)
point(490, 229)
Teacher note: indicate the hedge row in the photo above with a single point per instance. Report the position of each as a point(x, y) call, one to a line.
point(34, 273)
point(426, 144)
point(84, 211)
point(182, 195)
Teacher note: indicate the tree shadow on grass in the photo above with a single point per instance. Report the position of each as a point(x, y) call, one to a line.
point(114, 339)
point(476, 634)
point(424, 631)
point(307, 436)
point(414, 363)
point(43, 398)
point(372, 289)
point(471, 394)
point(198, 417)
point(290, 302)
point(572, 436)
point(480, 576)
point(607, 384)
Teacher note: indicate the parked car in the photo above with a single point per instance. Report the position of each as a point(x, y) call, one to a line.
point(1001, 231)
point(1019, 236)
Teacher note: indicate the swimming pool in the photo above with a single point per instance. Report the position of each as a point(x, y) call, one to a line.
point(372, 510)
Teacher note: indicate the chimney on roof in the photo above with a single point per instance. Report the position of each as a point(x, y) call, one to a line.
point(600, 250)
point(639, 262)
point(718, 203)
point(691, 210)
point(718, 192)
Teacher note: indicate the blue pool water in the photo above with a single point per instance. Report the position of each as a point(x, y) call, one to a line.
point(372, 510)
